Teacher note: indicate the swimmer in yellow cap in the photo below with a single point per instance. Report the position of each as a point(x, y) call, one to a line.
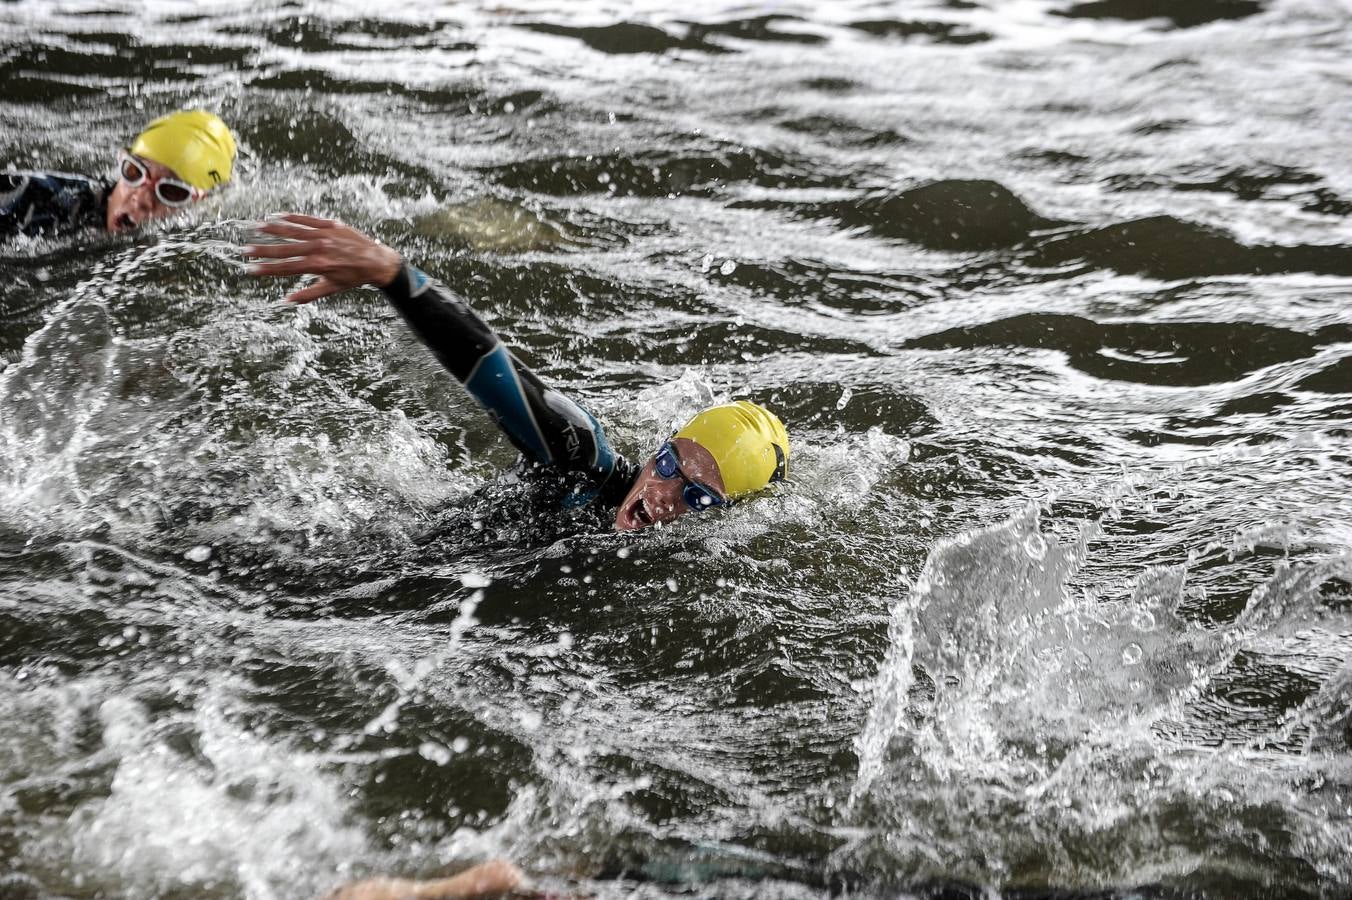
point(176, 161)
point(721, 455)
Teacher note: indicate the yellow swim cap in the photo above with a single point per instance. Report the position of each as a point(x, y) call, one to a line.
point(196, 144)
point(747, 441)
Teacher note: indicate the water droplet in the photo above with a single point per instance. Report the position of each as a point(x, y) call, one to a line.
point(1131, 654)
point(727, 268)
point(671, 585)
point(460, 744)
point(198, 554)
point(475, 580)
point(845, 397)
point(1035, 545)
point(434, 752)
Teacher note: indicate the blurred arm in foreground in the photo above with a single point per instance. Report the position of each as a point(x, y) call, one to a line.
point(489, 879)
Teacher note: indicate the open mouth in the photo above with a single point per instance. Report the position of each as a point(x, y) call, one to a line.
point(640, 512)
point(124, 222)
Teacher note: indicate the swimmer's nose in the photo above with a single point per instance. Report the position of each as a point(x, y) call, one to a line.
point(142, 204)
point(663, 496)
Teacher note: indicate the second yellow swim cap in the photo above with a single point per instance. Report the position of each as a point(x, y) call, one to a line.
point(747, 441)
point(196, 144)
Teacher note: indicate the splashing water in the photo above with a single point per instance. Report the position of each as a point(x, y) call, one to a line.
point(1014, 699)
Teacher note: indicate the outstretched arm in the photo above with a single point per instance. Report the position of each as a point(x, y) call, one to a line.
point(548, 428)
point(490, 879)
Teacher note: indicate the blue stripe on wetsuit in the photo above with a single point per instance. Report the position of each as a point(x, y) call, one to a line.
point(418, 281)
point(495, 385)
point(551, 430)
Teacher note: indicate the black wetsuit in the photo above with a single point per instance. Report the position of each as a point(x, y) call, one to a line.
point(48, 204)
point(562, 445)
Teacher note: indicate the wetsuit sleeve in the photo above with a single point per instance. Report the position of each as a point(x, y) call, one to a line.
point(37, 203)
point(548, 428)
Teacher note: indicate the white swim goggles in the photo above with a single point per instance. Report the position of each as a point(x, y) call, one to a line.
point(169, 191)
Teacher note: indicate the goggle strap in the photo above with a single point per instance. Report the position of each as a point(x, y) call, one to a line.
point(781, 464)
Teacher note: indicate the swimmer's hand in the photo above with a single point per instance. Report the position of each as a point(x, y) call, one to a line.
point(490, 879)
point(342, 257)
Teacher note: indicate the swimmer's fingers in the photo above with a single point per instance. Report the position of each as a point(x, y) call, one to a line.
point(320, 289)
point(305, 265)
point(281, 251)
point(287, 230)
point(308, 221)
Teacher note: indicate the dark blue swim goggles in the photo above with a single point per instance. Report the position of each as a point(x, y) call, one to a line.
point(698, 497)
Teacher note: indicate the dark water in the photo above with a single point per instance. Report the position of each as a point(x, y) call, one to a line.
point(1052, 295)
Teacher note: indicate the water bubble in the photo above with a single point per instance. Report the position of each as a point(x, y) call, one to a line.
point(727, 268)
point(509, 107)
point(845, 397)
point(706, 262)
point(460, 744)
point(475, 580)
point(1035, 545)
point(434, 752)
point(671, 585)
point(387, 722)
point(200, 553)
point(1131, 654)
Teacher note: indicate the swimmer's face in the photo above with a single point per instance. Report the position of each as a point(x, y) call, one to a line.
point(134, 200)
point(655, 498)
